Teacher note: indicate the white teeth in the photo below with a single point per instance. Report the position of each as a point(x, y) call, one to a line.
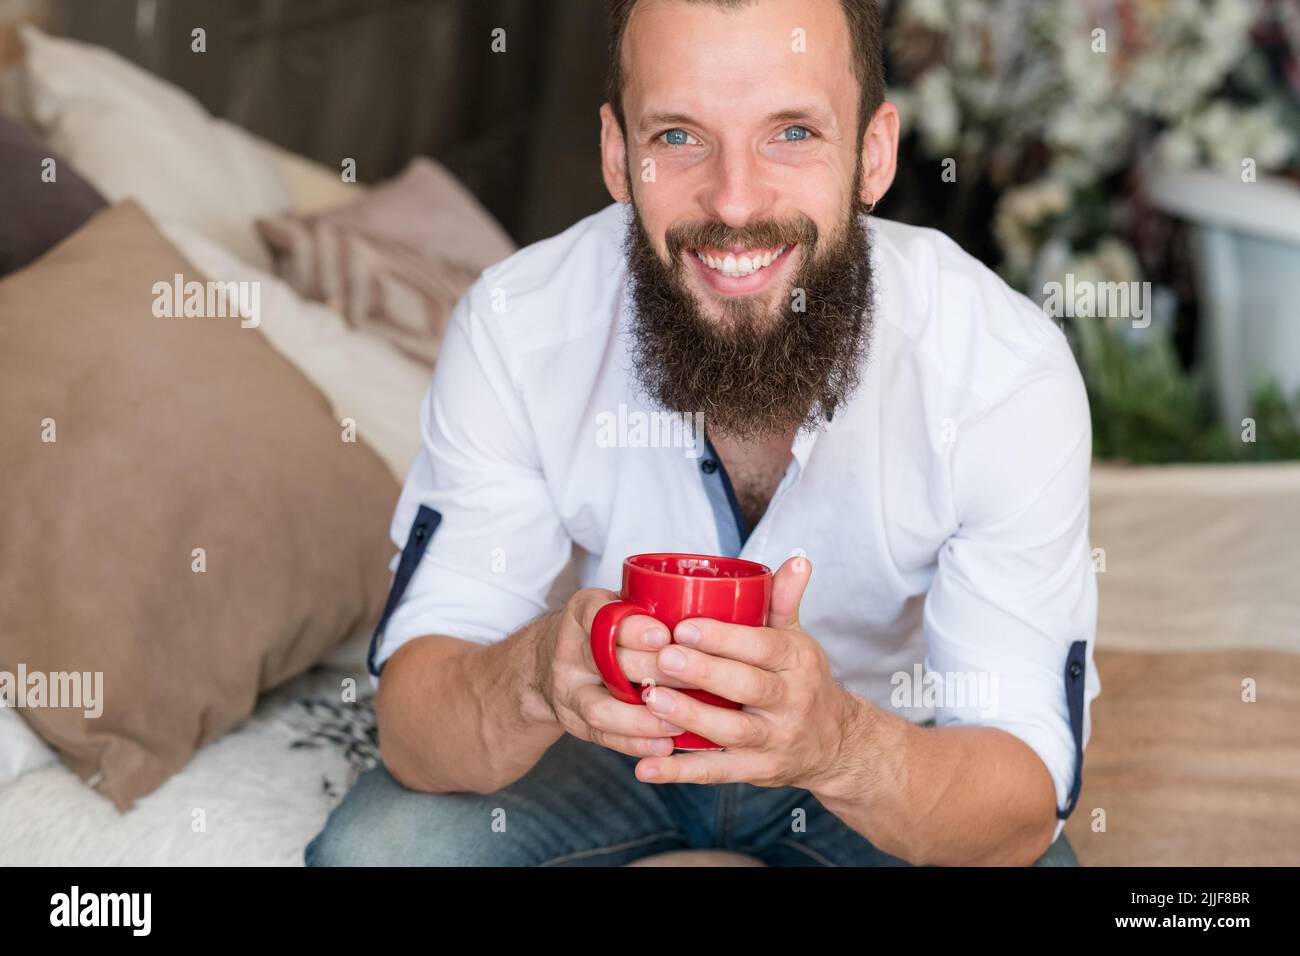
point(743, 266)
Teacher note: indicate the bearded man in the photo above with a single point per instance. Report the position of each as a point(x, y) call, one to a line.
point(875, 403)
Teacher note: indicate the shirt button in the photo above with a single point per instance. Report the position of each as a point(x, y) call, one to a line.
point(708, 466)
point(1076, 669)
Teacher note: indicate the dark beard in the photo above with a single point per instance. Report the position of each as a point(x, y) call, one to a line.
point(763, 370)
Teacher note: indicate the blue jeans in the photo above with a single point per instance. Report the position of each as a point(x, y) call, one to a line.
point(581, 805)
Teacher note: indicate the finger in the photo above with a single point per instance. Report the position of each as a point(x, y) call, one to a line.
point(605, 713)
point(704, 766)
point(762, 647)
point(734, 680)
point(632, 746)
point(637, 666)
point(722, 725)
point(642, 668)
point(592, 600)
point(642, 632)
point(788, 586)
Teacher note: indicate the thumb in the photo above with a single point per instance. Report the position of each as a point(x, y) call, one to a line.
point(788, 585)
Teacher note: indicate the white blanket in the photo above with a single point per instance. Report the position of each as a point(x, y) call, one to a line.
point(252, 798)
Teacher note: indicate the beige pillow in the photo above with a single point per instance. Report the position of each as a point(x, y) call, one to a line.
point(313, 187)
point(128, 441)
point(364, 378)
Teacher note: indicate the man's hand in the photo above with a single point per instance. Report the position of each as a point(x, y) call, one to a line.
point(572, 689)
point(795, 717)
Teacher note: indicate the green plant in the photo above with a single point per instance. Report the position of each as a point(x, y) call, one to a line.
point(1277, 435)
point(1147, 409)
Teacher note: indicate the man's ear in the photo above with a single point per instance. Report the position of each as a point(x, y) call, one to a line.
point(879, 153)
point(613, 156)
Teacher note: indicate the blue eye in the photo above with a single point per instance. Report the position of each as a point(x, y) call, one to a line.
point(799, 133)
point(677, 137)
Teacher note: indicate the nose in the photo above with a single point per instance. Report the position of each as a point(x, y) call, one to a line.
point(737, 193)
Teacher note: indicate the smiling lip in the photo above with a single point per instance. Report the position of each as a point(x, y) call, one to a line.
point(738, 271)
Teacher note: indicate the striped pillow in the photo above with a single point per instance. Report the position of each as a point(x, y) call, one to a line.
point(379, 285)
point(396, 261)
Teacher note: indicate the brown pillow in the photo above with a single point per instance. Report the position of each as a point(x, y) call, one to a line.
point(169, 435)
point(396, 261)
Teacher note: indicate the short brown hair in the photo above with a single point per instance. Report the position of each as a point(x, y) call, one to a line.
point(865, 27)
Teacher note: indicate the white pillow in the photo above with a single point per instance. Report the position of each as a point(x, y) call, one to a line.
point(21, 749)
point(134, 135)
point(364, 377)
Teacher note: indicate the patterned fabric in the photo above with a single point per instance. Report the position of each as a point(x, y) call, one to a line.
point(325, 723)
point(379, 285)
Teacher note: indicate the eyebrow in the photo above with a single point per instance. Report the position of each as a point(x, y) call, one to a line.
point(804, 114)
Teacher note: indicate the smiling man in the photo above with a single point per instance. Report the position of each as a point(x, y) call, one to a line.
point(875, 403)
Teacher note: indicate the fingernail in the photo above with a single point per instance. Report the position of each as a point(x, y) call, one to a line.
point(650, 773)
point(688, 634)
point(660, 702)
point(672, 659)
point(656, 637)
point(671, 728)
point(663, 745)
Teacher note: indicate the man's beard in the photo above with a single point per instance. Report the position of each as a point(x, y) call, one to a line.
point(763, 370)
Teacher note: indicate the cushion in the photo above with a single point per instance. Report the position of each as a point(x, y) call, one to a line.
point(313, 187)
point(396, 261)
point(428, 210)
point(364, 378)
point(136, 136)
point(37, 212)
point(130, 441)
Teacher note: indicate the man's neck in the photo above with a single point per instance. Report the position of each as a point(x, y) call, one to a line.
point(773, 444)
point(755, 468)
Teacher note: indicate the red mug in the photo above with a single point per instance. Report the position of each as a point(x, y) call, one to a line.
point(671, 588)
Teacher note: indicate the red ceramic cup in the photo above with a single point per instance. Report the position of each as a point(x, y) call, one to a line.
point(672, 588)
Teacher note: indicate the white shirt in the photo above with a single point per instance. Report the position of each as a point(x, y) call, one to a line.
point(944, 508)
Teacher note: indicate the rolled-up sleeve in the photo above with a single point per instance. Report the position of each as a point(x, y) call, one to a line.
point(491, 541)
point(1012, 609)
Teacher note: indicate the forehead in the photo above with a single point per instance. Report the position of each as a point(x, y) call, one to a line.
point(712, 59)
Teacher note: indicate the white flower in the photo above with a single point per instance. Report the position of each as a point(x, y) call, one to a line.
point(1113, 261)
point(1022, 217)
point(1095, 132)
point(1177, 147)
point(935, 107)
point(1073, 171)
point(1238, 134)
point(1193, 46)
point(1117, 261)
point(1221, 135)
